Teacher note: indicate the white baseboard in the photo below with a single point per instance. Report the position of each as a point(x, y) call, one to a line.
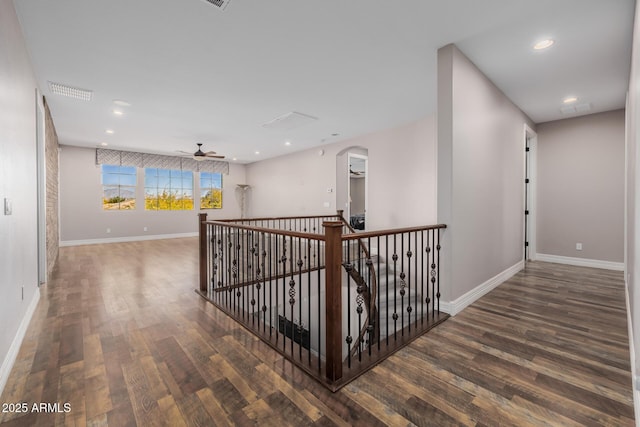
point(456, 306)
point(581, 262)
point(126, 239)
point(10, 358)
point(635, 383)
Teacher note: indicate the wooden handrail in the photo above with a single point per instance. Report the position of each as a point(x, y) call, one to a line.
point(376, 233)
point(277, 218)
point(302, 234)
point(371, 292)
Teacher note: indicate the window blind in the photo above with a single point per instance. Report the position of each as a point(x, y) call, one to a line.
point(145, 160)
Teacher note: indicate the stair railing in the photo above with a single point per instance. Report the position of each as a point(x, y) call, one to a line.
point(283, 280)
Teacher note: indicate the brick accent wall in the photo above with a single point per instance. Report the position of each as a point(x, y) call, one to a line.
point(51, 155)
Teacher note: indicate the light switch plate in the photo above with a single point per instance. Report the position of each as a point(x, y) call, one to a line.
point(7, 206)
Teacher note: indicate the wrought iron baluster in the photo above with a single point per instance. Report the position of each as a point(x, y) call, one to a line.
point(438, 269)
point(395, 288)
point(349, 339)
point(422, 278)
point(309, 267)
point(409, 256)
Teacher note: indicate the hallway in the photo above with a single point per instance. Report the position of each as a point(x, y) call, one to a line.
point(121, 336)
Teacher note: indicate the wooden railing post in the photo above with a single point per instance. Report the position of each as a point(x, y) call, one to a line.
point(333, 295)
point(202, 221)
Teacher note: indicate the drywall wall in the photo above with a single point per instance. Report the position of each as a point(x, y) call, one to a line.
point(18, 252)
point(580, 187)
point(480, 176)
point(401, 178)
point(632, 207)
point(82, 219)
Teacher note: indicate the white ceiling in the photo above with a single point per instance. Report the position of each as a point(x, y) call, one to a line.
point(194, 73)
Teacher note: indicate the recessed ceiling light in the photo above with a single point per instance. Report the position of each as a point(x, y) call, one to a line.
point(257, 152)
point(121, 103)
point(570, 99)
point(543, 44)
point(104, 144)
point(235, 159)
point(109, 131)
point(287, 143)
point(118, 112)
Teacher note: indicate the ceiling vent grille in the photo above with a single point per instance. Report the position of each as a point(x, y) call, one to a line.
point(573, 109)
point(289, 121)
point(220, 4)
point(70, 91)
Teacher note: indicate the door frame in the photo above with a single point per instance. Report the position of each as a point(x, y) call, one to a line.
point(530, 169)
point(41, 176)
point(366, 185)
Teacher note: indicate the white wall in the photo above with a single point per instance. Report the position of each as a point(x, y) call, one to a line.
point(580, 187)
point(632, 208)
point(83, 220)
point(18, 252)
point(480, 177)
point(402, 178)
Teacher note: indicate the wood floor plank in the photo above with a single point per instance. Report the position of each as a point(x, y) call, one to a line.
point(120, 334)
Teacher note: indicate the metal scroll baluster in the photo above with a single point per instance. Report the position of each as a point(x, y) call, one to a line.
point(422, 279)
point(300, 263)
point(438, 269)
point(395, 289)
point(349, 339)
point(432, 278)
point(403, 285)
point(255, 283)
point(409, 255)
point(292, 292)
point(283, 261)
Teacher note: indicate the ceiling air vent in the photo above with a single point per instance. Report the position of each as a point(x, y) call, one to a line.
point(289, 121)
point(573, 109)
point(220, 4)
point(70, 91)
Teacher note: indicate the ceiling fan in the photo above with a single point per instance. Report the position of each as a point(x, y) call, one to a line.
point(201, 155)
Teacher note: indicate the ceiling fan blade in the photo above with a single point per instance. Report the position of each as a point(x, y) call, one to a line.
point(209, 152)
point(213, 156)
point(184, 152)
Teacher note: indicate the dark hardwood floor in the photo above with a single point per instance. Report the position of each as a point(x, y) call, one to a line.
point(121, 336)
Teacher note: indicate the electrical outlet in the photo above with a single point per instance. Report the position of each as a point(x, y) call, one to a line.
point(108, 230)
point(145, 229)
point(326, 204)
point(578, 246)
point(7, 206)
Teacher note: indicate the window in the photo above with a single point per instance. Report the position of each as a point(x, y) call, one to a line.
point(118, 187)
point(210, 190)
point(168, 190)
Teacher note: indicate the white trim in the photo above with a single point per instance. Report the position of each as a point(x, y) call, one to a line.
point(64, 243)
point(635, 383)
point(532, 195)
point(581, 262)
point(456, 306)
point(41, 176)
point(12, 354)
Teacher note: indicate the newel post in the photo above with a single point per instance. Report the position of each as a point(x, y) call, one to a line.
point(202, 232)
point(333, 295)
